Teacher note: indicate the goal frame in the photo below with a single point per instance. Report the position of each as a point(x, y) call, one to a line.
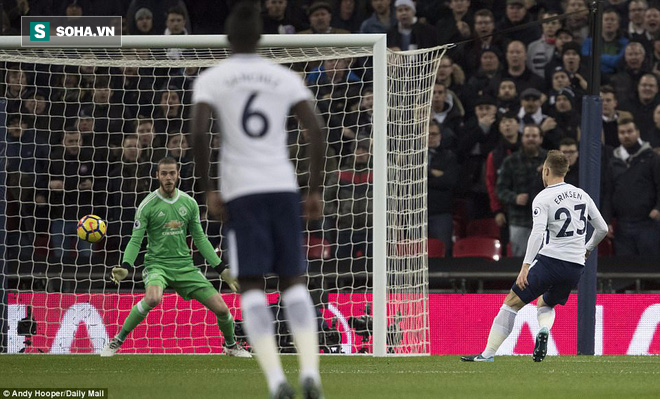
point(379, 48)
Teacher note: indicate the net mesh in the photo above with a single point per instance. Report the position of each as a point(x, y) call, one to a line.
point(84, 131)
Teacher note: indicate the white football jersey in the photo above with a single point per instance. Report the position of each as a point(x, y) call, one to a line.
point(560, 214)
point(252, 97)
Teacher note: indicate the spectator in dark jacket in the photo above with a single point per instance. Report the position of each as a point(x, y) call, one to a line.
point(71, 196)
point(632, 194)
point(643, 101)
point(517, 15)
point(442, 179)
point(569, 147)
point(409, 33)
point(518, 183)
point(26, 166)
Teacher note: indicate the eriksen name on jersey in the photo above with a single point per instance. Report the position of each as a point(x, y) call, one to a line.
point(567, 194)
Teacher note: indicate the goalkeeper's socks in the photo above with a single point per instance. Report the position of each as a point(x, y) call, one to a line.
point(302, 322)
point(226, 325)
point(502, 326)
point(258, 321)
point(546, 316)
point(138, 313)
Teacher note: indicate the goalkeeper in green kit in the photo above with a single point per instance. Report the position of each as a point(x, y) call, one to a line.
point(165, 216)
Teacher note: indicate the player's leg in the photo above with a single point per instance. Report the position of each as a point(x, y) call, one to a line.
point(290, 265)
point(302, 322)
point(139, 312)
point(538, 282)
point(217, 305)
point(567, 275)
point(259, 326)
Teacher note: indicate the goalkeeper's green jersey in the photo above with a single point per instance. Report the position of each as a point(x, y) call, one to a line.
point(166, 222)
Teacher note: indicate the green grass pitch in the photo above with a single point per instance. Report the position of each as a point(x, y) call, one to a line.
point(188, 377)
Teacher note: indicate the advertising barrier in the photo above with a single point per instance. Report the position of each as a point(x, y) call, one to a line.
point(459, 324)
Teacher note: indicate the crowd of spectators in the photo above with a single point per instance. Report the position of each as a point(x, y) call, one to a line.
point(85, 139)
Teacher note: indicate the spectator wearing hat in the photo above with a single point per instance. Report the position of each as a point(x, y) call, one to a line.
point(516, 59)
point(409, 33)
point(320, 18)
point(518, 182)
point(489, 69)
point(443, 174)
point(475, 141)
point(144, 22)
point(567, 119)
point(642, 102)
point(277, 19)
point(484, 25)
point(516, 15)
point(382, 18)
point(633, 68)
point(531, 113)
point(614, 43)
point(562, 36)
point(541, 51)
point(572, 63)
point(561, 80)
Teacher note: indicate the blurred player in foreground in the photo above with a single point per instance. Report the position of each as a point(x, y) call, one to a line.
point(252, 98)
point(560, 215)
point(165, 216)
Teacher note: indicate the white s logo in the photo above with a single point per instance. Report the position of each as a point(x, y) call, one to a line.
point(39, 31)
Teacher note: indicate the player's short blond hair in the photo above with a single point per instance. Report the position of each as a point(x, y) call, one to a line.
point(557, 162)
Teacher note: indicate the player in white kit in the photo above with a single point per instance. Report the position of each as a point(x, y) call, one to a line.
point(554, 261)
point(259, 200)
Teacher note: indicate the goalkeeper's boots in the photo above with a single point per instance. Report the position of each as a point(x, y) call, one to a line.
point(477, 358)
point(237, 351)
point(111, 347)
point(541, 346)
point(283, 391)
point(311, 389)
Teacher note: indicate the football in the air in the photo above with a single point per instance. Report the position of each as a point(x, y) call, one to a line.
point(91, 228)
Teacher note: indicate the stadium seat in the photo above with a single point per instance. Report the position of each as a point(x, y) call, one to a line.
point(317, 248)
point(606, 247)
point(436, 248)
point(479, 247)
point(483, 228)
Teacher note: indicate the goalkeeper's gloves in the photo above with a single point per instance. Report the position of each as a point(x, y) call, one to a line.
point(226, 276)
point(120, 273)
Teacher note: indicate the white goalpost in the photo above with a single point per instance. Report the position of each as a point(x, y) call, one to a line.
point(368, 267)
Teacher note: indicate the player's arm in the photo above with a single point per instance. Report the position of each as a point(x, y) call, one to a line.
point(206, 249)
point(540, 223)
point(133, 247)
point(311, 121)
point(600, 227)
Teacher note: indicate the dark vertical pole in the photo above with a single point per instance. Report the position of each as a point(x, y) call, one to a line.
point(590, 154)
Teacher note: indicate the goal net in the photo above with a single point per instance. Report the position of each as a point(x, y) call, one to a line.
point(84, 129)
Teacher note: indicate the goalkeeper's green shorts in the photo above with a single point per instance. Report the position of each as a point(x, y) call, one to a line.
point(188, 281)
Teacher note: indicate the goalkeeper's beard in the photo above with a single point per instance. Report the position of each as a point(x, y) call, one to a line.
point(168, 188)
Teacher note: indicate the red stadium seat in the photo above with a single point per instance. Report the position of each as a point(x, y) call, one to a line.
point(436, 248)
point(479, 247)
point(483, 228)
point(606, 247)
point(317, 248)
